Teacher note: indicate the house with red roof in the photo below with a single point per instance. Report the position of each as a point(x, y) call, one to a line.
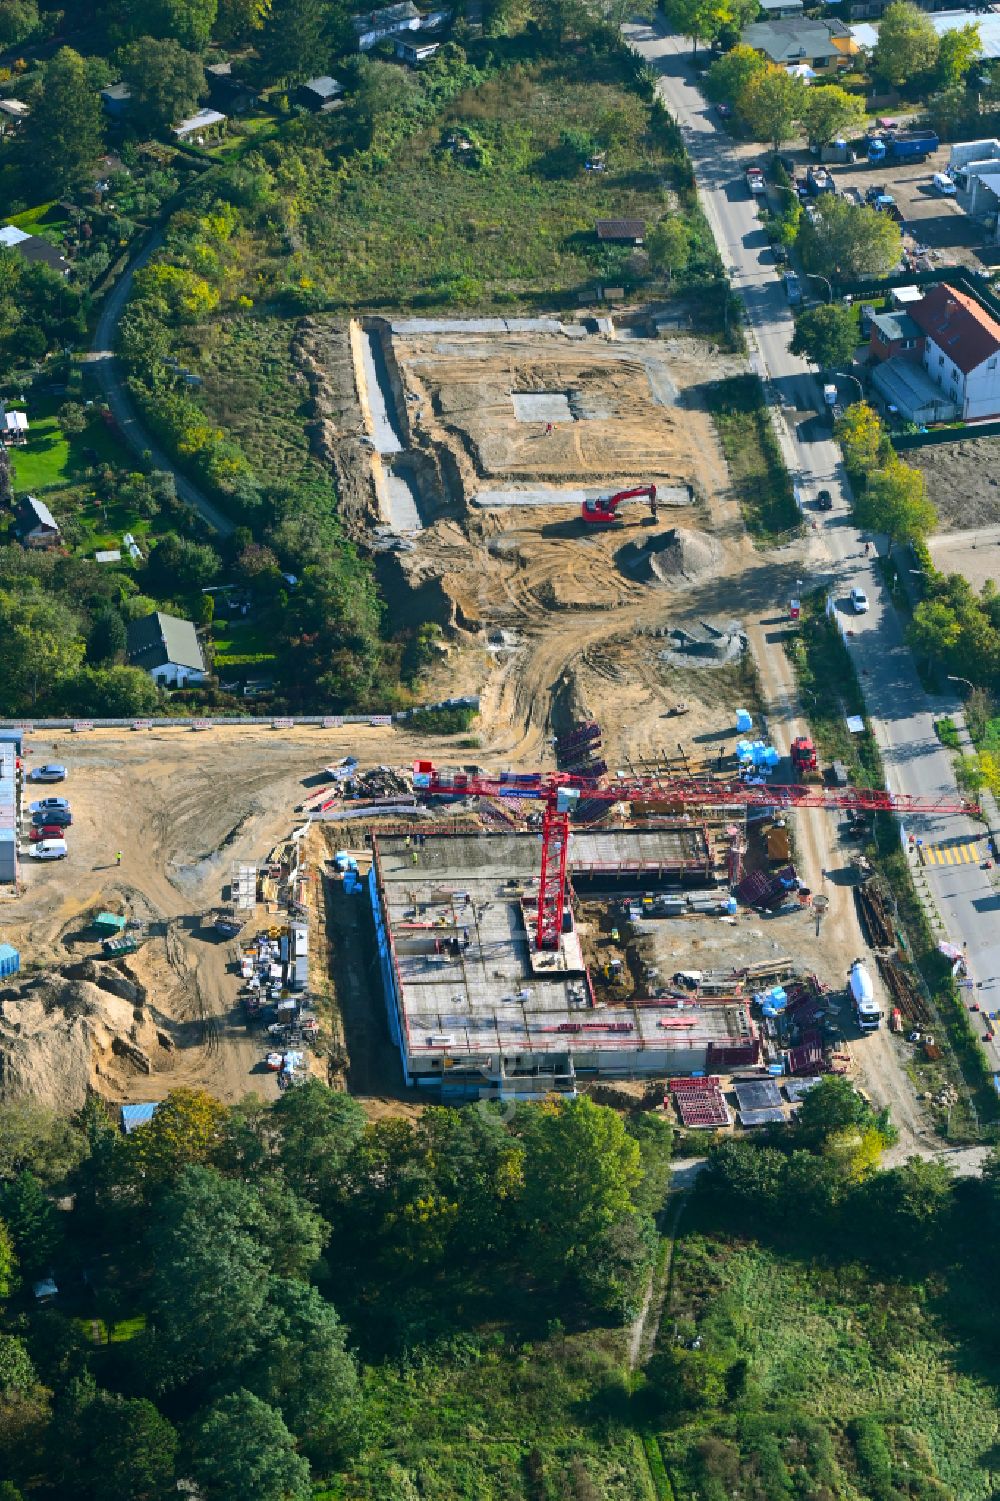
point(961, 350)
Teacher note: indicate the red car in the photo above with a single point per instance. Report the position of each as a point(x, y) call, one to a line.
point(47, 831)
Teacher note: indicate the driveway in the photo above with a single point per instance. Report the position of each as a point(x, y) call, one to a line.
point(109, 376)
point(901, 713)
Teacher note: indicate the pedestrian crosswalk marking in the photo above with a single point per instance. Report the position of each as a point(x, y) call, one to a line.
point(962, 852)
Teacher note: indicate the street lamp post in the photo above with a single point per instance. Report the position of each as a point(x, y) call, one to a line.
point(815, 276)
point(953, 677)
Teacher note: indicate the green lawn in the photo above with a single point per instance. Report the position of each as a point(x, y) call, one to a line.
point(50, 458)
point(46, 220)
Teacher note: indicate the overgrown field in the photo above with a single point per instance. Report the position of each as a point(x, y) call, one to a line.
point(760, 479)
point(492, 203)
point(480, 1420)
point(841, 1375)
point(254, 391)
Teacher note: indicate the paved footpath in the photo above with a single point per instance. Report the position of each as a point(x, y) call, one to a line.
point(901, 712)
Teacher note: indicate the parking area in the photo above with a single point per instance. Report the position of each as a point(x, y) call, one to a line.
point(928, 218)
point(931, 220)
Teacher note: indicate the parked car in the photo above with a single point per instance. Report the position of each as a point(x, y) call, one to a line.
point(47, 774)
point(780, 254)
point(723, 111)
point(943, 185)
point(793, 287)
point(824, 501)
point(52, 817)
point(43, 804)
point(45, 831)
point(859, 601)
point(50, 849)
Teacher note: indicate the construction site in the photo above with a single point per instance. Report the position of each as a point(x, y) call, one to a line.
point(640, 897)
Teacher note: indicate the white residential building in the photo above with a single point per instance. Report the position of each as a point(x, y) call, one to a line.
point(961, 350)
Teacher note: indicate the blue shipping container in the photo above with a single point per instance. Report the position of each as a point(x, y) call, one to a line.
point(10, 960)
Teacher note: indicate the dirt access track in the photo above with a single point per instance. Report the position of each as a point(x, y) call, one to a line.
point(547, 618)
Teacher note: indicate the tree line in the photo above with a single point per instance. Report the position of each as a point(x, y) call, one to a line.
point(245, 1265)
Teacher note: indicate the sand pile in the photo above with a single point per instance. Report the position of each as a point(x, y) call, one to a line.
point(60, 1035)
point(674, 557)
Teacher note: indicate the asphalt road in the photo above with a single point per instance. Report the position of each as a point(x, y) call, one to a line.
point(901, 712)
point(109, 375)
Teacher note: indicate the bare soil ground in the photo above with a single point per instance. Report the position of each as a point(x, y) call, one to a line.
point(963, 481)
point(552, 621)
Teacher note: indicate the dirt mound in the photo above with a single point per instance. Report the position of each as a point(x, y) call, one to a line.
point(675, 557)
point(60, 1036)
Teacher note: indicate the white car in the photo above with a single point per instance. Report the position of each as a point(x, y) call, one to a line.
point(943, 185)
point(50, 849)
point(50, 773)
point(47, 804)
point(859, 601)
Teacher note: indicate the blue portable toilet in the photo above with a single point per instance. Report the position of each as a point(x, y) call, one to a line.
point(744, 722)
point(10, 960)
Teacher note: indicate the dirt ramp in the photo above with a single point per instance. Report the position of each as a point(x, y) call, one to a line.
point(675, 557)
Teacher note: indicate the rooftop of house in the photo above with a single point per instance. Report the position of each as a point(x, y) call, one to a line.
point(388, 15)
point(907, 385)
point(893, 326)
point(203, 119)
point(959, 326)
point(15, 108)
point(154, 640)
point(32, 247)
point(35, 512)
point(324, 88)
point(620, 229)
point(117, 91)
point(788, 41)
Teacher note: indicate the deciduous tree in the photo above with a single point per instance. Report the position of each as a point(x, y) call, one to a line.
point(18, 21)
point(827, 335)
point(185, 1129)
point(772, 104)
point(210, 1276)
point(294, 41)
point(862, 437)
point(935, 630)
point(669, 245)
point(303, 1369)
point(907, 44)
point(729, 76)
point(957, 51)
point(895, 502)
point(850, 238)
point(42, 646)
point(241, 1447)
point(831, 111)
point(166, 81)
point(580, 1171)
point(64, 135)
point(317, 1129)
point(700, 20)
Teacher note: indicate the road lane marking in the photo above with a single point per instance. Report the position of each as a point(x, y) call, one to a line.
point(957, 852)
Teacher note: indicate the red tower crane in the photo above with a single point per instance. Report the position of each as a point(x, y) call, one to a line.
point(559, 791)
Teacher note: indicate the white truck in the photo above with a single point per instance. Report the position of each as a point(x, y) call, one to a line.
point(755, 181)
point(859, 983)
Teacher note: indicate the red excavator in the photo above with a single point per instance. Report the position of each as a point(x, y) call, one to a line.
point(604, 510)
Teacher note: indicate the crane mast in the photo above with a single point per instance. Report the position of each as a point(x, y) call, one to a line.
point(559, 791)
